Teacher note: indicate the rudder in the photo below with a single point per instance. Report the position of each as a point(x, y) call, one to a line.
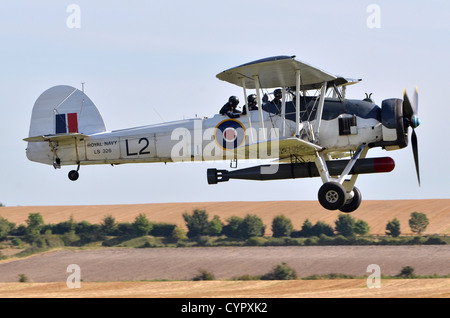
point(64, 109)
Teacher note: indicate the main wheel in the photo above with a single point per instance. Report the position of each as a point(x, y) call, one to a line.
point(332, 195)
point(73, 175)
point(354, 203)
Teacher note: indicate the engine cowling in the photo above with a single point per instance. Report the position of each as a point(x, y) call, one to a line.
point(395, 134)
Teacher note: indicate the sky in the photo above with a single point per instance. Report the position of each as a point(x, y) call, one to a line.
point(146, 62)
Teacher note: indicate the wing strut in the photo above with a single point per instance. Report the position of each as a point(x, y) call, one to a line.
point(319, 113)
point(283, 110)
point(260, 110)
point(297, 103)
point(247, 111)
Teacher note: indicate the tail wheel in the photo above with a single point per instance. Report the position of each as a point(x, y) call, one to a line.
point(332, 195)
point(354, 203)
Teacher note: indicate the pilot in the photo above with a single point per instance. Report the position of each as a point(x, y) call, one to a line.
point(251, 104)
point(274, 106)
point(277, 98)
point(230, 108)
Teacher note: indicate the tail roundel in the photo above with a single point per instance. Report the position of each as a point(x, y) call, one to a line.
point(63, 110)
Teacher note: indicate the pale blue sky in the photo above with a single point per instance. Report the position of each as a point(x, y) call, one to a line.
point(143, 60)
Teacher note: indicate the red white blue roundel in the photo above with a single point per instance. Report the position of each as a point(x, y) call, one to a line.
point(229, 134)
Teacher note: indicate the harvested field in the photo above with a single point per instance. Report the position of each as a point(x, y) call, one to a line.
point(126, 264)
point(347, 288)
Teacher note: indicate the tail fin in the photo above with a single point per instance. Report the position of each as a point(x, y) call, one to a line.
point(62, 110)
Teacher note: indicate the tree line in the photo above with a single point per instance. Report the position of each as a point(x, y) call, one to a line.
point(199, 227)
point(198, 223)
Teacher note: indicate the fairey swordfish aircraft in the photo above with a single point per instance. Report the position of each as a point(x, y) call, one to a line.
point(306, 130)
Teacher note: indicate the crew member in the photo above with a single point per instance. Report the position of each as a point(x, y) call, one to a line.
point(277, 99)
point(230, 108)
point(251, 104)
point(274, 106)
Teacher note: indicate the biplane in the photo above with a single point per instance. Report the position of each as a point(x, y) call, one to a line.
point(306, 129)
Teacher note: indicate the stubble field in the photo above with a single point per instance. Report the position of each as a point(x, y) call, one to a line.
point(115, 272)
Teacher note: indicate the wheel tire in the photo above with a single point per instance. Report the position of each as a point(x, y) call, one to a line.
point(332, 195)
point(354, 203)
point(73, 175)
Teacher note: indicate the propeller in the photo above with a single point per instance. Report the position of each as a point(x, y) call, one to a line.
point(410, 115)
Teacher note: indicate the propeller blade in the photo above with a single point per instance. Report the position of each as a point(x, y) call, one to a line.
point(415, 101)
point(415, 153)
point(408, 110)
point(410, 114)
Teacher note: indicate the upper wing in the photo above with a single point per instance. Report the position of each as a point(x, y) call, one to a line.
point(277, 71)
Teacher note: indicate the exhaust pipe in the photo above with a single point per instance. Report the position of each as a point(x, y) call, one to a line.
point(300, 170)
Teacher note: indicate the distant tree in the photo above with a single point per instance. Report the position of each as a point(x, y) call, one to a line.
point(345, 225)
point(162, 229)
point(142, 225)
point(108, 225)
point(233, 227)
point(197, 223)
point(249, 226)
point(306, 230)
point(204, 274)
point(418, 222)
point(34, 226)
point(35, 220)
point(179, 234)
point(215, 226)
point(361, 227)
point(64, 227)
point(407, 272)
point(23, 278)
point(393, 228)
point(89, 232)
point(19, 230)
point(125, 229)
point(321, 228)
point(252, 225)
point(281, 226)
point(5, 228)
point(280, 272)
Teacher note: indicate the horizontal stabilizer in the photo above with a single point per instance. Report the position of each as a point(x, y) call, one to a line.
point(59, 137)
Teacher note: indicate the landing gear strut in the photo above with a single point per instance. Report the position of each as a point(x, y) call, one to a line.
point(337, 193)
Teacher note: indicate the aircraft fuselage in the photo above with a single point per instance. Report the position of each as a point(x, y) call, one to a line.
point(345, 125)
